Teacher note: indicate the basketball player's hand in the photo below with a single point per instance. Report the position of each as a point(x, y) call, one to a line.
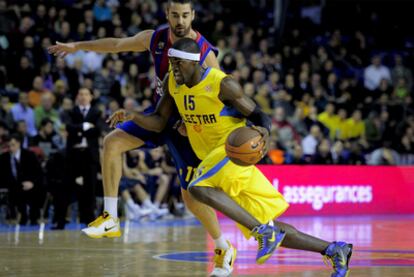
point(182, 129)
point(118, 117)
point(62, 49)
point(265, 138)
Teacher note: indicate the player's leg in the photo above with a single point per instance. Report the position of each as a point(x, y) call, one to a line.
point(221, 202)
point(221, 184)
point(269, 238)
point(205, 214)
point(338, 253)
point(116, 143)
point(295, 239)
point(207, 187)
point(186, 162)
point(224, 250)
point(270, 199)
point(260, 191)
point(261, 202)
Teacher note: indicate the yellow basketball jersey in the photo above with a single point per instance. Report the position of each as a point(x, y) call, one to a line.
point(207, 119)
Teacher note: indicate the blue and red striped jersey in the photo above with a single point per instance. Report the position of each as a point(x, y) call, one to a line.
point(160, 43)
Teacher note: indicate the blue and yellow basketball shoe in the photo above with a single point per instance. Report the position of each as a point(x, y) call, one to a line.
point(269, 238)
point(338, 254)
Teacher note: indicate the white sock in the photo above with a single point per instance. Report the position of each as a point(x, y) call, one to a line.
point(147, 203)
point(156, 205)
point(130, 203)
point(111, 206)
point(221, 243)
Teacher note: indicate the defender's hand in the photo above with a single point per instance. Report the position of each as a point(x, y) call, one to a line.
point(62, 49)
point(265, 138)
point(118, 117)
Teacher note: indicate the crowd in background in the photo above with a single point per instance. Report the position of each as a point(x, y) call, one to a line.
point(337, 93)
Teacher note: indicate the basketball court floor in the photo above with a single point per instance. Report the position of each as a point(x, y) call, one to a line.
point(384, 246)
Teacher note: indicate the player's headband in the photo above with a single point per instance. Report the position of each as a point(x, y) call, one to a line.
point(175, 53)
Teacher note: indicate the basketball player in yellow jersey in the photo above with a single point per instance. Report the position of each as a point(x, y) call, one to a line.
point(212, 105)
point(180, 15)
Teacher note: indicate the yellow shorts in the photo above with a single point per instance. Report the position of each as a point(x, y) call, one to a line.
point(244, 184)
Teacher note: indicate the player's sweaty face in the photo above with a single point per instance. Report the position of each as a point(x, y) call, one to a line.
point(179, 17)
point(182, 70)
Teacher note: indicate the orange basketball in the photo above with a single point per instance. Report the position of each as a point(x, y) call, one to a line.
point(244, 146)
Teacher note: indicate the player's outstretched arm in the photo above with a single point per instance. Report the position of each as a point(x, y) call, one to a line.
point(155, 121)
point(138, 43)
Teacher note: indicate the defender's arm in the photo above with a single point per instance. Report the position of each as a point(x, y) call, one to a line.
point(138, 43)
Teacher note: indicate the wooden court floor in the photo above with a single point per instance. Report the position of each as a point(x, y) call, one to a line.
point(384, 246)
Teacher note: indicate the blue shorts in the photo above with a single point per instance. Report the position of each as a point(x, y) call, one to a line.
point(185, 159)
point(127, 183)
point(150, 186)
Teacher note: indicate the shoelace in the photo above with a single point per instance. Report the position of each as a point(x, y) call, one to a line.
point(261, 241)
point(219, 257)
point(331, 261)
point(258, 237)
point(97, 221)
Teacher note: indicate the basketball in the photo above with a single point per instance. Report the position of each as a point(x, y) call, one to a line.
point(244, 146)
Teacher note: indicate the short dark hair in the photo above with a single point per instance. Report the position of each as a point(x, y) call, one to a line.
point(16, 137)
point(187, 45)
point(181, 2)
point(45, 121)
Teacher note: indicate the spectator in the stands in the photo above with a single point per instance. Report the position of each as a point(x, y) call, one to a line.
point(22, 173)
point(374, 73)
point(46, 110)
point(22, 111)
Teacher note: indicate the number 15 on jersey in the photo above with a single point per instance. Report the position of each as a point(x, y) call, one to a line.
point(189, 103)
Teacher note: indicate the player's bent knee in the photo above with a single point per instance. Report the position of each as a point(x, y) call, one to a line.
point(116, 142)
point(109, 142)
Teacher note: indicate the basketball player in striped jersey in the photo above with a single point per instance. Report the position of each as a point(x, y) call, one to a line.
point(128, 135)
point(212, 106)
